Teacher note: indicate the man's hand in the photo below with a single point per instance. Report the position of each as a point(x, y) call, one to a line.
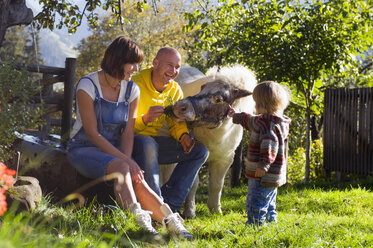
point(186, 142)
point(153, 113)
point(259, 172)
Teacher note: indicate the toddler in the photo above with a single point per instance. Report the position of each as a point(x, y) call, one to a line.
point(266, 159)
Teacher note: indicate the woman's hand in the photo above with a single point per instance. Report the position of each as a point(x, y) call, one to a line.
point(137, 174)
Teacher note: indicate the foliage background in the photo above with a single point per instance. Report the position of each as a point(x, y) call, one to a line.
point(151, 31)
point(308, 45)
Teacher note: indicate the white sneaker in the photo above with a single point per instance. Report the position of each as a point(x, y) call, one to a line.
point(142, 218)
point(174, 223)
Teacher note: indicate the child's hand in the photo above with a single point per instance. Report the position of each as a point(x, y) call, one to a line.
point(231, 112)
point(259, 172)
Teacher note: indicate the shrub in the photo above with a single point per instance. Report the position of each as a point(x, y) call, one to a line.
point(296, 166)
point(297, 162)
point(16, 111)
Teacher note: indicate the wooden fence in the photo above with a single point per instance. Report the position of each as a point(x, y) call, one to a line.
point(54, 101)
point(348, 130)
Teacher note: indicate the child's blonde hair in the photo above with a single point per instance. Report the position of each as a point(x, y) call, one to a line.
point(271, 96)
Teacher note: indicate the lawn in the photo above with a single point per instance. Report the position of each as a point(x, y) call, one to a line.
point(313, 215)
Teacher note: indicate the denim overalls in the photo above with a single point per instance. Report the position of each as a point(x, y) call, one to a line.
point(112, 119)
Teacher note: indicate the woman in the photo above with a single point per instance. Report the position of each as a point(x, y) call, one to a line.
point(102, 136)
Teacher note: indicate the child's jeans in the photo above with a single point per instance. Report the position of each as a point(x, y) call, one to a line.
point(260, 203)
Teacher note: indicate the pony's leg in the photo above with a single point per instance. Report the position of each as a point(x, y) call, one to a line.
point(217, 172)
point(190, 201)
point(165, 171)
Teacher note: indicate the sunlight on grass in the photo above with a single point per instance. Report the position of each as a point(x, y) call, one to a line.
point(308, 216)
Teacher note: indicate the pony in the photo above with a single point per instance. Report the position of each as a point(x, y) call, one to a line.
point(207, 100)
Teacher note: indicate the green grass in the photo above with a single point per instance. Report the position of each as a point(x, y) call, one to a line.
point(317, 215)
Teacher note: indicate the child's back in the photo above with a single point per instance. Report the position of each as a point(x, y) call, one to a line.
point(266, 156)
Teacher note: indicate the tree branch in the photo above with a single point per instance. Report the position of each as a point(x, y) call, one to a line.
point(365, 67)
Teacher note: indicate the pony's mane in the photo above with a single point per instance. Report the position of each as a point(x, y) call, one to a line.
point(241, 77)
point(238, 75)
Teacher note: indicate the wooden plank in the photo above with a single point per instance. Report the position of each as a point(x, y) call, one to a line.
point(49, 109)
point(354, 122)
point(347, 132)
point(55, 122)
point(42, 69)
point(361, 131)
point(66, 120)
point(337, 125)
point(344, 126)
point(335, 160)
point(327, 131)
point(332, 130)
point(52, 80)
point(56, 98)
point(365, 133)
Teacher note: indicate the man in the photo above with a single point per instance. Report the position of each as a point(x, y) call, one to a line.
point(158, 90)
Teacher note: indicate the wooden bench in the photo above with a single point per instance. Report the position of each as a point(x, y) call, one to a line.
point(43, 154)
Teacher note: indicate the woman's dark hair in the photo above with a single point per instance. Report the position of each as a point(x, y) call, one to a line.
point(121, 51)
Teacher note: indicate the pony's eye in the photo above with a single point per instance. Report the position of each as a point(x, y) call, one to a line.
point(217, 99)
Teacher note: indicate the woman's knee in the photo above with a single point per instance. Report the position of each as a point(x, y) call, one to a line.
point(118, 166)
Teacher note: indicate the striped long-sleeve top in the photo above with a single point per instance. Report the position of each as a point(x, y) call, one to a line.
point(266, 147)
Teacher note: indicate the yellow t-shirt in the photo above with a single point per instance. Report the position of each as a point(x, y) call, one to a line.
point(149, 96)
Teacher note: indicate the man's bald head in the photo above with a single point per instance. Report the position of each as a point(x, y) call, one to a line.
point(166, 67)
point(167, 51)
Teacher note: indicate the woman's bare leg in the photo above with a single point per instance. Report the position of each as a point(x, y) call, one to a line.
point(124, 193)
point(149, 200)
point(130, 192)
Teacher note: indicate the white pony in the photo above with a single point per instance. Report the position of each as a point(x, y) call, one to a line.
point(206, 114)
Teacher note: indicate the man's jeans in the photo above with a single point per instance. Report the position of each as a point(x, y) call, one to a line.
point(260, 203)
point(150, 151)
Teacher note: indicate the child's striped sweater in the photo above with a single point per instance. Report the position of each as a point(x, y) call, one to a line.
point(266, 147)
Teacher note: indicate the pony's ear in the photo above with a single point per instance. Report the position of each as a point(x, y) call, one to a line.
point(238, 93)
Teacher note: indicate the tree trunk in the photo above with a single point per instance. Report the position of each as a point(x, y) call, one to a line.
point(316, 127)
point(13, 12)
point(308, 141)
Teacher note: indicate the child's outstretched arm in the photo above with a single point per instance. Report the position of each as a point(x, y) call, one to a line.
point(236, 116)
point(244, 119)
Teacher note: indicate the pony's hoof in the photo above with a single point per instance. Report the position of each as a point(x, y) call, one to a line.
point(216, 210)
point(189, 213)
